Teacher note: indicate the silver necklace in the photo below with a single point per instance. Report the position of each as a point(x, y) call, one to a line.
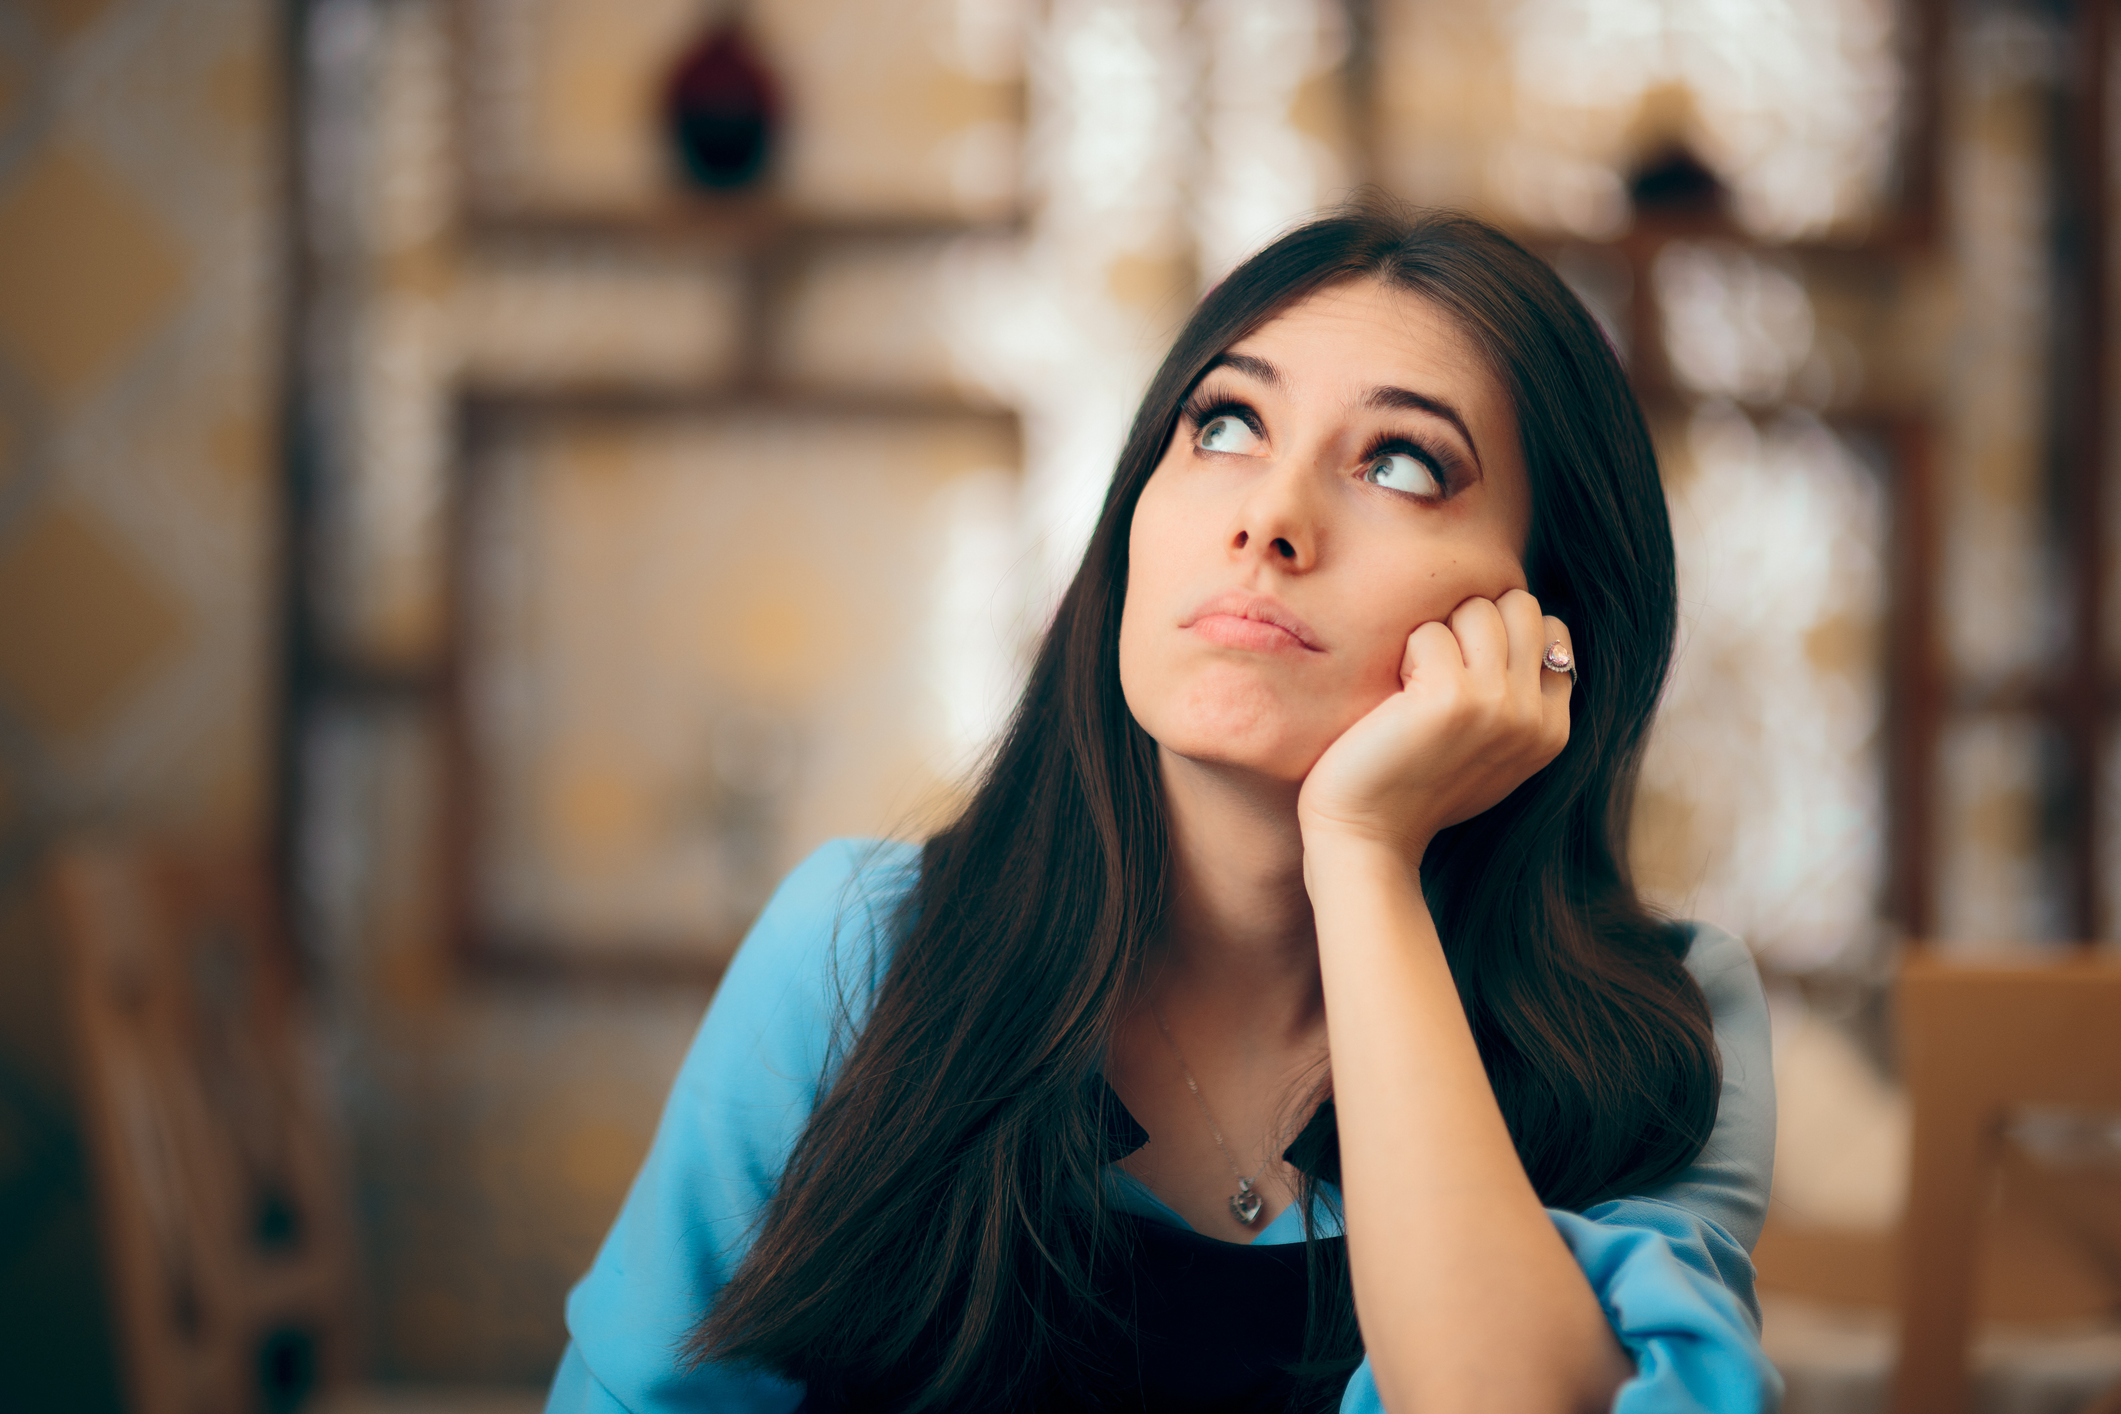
point(1245, 1202)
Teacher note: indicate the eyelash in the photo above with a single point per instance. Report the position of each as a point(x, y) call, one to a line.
point(1439, 462)
point(1204, 407)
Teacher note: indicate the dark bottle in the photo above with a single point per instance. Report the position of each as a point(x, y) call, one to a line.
point(721, 107)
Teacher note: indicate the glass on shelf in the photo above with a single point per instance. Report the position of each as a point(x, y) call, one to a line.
point(721, 109)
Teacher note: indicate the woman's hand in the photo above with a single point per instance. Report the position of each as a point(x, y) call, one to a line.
point(1476, 715)
point(1468, 1298)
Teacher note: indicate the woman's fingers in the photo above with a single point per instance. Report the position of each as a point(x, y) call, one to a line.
point(1527, 630)
point(1431, 649)
point(1528, 637)
point(1483, 634)
point(1506, 639)
point(1477, 717)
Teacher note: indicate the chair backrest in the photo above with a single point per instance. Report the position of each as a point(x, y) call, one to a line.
point(223, 1225)
point(1978, 1043)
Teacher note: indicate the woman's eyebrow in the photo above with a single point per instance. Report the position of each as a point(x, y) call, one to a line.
point(1248, 364)
point(1389, 397)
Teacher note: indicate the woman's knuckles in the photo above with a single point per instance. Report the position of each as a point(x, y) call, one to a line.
point(1454, 742)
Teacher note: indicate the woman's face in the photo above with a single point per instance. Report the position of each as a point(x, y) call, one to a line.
point(1342, 475)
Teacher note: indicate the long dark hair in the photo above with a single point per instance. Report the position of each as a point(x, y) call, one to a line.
point(940, 1224)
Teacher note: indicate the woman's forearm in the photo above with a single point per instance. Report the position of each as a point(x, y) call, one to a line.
point(1467, 1296)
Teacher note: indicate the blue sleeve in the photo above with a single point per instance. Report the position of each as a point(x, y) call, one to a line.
point(1728, 1182)
point(748, 1085)
point(1673, 1268)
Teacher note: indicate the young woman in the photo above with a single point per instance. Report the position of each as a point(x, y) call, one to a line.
point(1278, 1026)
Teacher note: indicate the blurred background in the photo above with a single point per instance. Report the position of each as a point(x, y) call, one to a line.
point(487, 485)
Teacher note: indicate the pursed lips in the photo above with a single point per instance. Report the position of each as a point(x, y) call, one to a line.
point(1251, 621)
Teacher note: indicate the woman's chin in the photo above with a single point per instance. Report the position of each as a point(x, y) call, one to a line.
point(1242, 722)
point(1277, 760)
point(1270, 730)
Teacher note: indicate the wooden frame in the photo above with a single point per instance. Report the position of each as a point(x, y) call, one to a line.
point(481, 419)
point(2084, 451)
point(226, 1236)
point(2080, 695)
point(768, 240)
point(1978, 1042)
point(2081, 698)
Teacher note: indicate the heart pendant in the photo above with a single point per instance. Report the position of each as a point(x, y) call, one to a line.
point(1244, 1203)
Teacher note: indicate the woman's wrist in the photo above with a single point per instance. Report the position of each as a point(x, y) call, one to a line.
point(1337, 855)
point(1325, 834)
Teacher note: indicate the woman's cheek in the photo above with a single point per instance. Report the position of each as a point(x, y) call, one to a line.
point(1377, 686)
point(1358, 692)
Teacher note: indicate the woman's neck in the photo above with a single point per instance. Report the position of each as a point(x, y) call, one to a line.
point(1239, 940)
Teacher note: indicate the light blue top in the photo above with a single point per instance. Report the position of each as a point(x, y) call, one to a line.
point(1671, 1267)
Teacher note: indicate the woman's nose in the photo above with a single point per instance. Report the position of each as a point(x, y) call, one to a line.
point(1277, 521)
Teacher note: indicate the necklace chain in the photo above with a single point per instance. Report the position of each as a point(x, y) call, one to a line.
point(1245, 1203)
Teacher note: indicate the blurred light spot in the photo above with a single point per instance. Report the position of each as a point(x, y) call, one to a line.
point(1767, 748)
point(1560, 192)
point(1735, 324)
point(1108, 64)
point(972, 624)
point(1267, 114)
point(597, 815)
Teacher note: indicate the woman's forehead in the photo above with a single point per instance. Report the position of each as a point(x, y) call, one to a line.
point(1356, 335)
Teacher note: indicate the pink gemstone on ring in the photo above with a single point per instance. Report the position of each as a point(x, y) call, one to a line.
point(1557, 657)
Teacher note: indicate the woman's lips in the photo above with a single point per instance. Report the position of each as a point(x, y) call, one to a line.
point(1251, 621)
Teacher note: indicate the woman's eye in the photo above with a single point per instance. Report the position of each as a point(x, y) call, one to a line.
point(1227, 433)
point(1402, 471)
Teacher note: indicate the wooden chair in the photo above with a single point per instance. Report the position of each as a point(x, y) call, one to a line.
point(1979, 1042)
point(224, 1232)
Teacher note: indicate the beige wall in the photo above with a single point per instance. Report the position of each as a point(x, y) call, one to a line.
point(137, 333)
point(138, 308)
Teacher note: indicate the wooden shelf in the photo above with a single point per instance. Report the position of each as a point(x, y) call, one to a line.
point(1893, 237)
point(2034, 694)
point(484, 406)
point(734, 223)
point(350, 677)
point(1662, 396)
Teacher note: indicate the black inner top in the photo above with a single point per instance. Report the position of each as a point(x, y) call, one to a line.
point(1214, 1325)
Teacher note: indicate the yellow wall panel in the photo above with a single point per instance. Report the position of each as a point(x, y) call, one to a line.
point(82, 620)
point(87, 273)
